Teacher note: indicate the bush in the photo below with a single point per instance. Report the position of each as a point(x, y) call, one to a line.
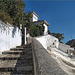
point(5, 17)
point(34, 31)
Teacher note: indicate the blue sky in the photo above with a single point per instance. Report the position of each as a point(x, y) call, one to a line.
point(59, 14)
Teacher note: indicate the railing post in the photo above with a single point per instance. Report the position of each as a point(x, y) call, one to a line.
point(21, 32)
point(25, 37)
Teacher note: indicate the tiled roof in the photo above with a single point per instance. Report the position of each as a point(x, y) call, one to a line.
point(44, 21)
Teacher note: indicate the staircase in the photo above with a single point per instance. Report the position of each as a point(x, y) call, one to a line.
point(17, 61)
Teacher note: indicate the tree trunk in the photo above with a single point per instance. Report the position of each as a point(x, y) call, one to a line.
point(23, 36)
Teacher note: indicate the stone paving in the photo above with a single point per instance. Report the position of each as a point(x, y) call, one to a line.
point(17, 61)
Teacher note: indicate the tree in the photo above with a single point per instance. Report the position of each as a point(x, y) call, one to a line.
point(34, 31)
point(26, 17)
point(58, 35)
point(5, 17)
point(71, 43)
point(12, 11)
point(15, 8)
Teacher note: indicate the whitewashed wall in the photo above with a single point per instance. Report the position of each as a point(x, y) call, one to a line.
point(48, 41)
point(35, 18)
point(46, 29)
point(64, 47)
point(10, 37)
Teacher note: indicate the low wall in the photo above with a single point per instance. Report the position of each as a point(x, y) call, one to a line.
point(44, 64)
point(9, 36)
point(51, 41)
point(64, 47)
point(48, 41)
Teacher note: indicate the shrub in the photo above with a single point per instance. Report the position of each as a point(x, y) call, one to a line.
point(5, 17)
point(34, 31)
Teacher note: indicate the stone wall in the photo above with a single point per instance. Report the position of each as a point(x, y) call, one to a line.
point(44, 64)
point(9, 36)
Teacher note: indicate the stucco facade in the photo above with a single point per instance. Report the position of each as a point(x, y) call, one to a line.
point(48, 41)
point(10, 36)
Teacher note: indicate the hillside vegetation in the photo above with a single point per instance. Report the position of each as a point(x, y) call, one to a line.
point(12, 11)
point(5, 17)
point(71, 43)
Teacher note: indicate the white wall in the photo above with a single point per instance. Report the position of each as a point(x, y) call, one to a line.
point(45, 29)
point(64, 47)
point(35, 18)
point(53, 42)
point(10, 37)
point(48, 41)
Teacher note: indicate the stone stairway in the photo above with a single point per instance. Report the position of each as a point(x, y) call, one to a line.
point(17, 61)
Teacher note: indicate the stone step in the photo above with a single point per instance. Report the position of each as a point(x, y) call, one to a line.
point(16, 48)
point(15, 65)
point(21, 46)
point(5, 73)
point(20, 49)
point(7, 69)
point(15, 57)
point(18, 52)
point(23, 73)
point(24, 63)
point(16, 69)
point(17, 61)
point(12, 52)
point(24, 46)
point(17, 73)
point(9, 57)
point(8, 63)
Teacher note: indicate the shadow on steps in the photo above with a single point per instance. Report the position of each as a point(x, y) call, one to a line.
point(22, 62)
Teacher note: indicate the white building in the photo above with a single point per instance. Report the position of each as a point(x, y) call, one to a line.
point(35, 21)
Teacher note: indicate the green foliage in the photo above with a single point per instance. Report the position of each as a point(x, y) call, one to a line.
point(5, 17)
point(71, 43)
point(58, 35)
point(41, 28)
point(34, 31)
point(26, 20)
point(15, 8)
